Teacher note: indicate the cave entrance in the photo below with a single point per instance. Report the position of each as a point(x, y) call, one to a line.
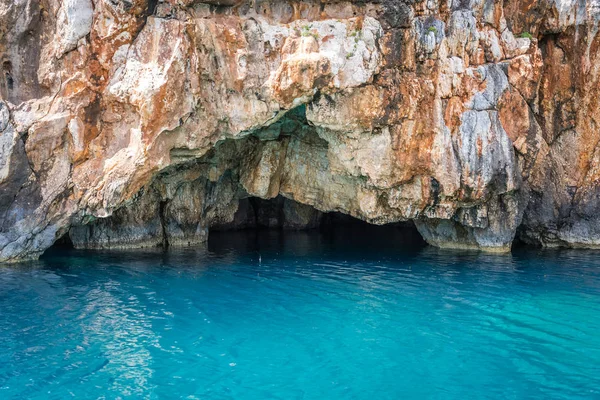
point(276, 225)
point(283, 225)
point(60, 246)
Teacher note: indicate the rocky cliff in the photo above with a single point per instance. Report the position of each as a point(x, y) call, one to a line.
point(129, 123)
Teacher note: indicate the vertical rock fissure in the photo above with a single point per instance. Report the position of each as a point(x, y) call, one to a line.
point(8, 79)
point(151, 10)
point(163, 223)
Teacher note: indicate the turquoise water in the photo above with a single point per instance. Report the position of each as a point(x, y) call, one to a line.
point(302, 316)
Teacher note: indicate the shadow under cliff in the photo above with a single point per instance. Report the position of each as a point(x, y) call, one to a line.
point(335, 233)
point(263, 227)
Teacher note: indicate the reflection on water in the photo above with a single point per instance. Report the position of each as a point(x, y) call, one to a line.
point(302, 315)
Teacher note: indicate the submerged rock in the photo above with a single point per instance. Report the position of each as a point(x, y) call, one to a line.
point(144, 123)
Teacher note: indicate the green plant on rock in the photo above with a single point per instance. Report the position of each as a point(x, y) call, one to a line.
point(357, 35)
point(526, 35)
point(306, 31)
point(432, 29)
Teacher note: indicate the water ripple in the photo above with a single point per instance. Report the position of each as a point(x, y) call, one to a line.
point(306, 321)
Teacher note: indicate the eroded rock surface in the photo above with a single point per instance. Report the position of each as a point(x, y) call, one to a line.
point(148, 122)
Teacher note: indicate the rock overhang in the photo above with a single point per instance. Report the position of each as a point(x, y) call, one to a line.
point(413, 111)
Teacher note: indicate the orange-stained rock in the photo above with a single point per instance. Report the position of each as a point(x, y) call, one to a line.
point(145, 119)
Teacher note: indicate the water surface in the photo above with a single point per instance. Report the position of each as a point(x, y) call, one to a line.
point(302, 316)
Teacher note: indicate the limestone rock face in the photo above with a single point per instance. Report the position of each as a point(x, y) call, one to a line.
point(148, 122)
